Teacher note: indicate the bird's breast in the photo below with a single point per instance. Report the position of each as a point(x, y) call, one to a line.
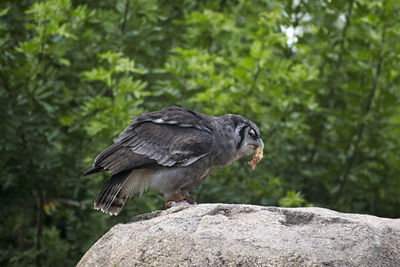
point(169, 180)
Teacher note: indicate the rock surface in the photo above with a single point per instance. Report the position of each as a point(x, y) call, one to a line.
point(231, 235)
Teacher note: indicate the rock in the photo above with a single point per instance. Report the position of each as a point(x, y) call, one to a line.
point(247, 235)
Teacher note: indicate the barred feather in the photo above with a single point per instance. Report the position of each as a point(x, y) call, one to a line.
point(107, 200)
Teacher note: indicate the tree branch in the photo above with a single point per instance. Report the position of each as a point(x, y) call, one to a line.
point(338, 66)
point(344, 34)
point(5, 83)
point(22, 228)
point(361, 127)
point(71, 202)
point(39, 225)
point(342, 42)
point(125, 17)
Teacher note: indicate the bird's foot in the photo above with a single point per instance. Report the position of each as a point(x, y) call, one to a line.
point(179, 198)
point(190, 200)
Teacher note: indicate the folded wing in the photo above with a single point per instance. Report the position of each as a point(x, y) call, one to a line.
point(171, 137)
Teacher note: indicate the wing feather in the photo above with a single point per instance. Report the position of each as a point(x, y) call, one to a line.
point(170, 137)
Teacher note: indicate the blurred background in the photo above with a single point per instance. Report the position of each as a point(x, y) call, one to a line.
point(320, 78)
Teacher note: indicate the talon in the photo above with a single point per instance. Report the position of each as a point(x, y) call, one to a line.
point(169, 204)
point(190, 199)
point(178, 197)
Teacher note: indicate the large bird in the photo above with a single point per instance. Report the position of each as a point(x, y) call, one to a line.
point(172, 151)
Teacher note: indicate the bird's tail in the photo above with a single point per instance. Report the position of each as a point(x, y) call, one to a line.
point(111, 200)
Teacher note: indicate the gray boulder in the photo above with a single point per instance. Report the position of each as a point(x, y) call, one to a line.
point(247, 235)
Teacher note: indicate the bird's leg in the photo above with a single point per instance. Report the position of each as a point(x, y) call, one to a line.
point(178, 197)
point(190, 199)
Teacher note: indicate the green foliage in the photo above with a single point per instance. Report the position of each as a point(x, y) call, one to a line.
point(320, 78)
point(292, 199)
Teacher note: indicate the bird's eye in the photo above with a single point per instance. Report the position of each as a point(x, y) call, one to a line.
point(252, 134)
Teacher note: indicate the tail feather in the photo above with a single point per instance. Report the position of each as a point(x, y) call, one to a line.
point(108, 194)
point(109, 199)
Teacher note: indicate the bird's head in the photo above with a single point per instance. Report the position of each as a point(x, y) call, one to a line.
point(247, 138)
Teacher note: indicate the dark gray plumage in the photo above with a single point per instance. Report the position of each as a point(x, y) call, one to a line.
point(172, 151)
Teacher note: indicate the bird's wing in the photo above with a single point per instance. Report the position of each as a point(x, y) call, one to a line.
point(171, 137)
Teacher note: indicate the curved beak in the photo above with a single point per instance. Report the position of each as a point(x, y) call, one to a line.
point(260, 143)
